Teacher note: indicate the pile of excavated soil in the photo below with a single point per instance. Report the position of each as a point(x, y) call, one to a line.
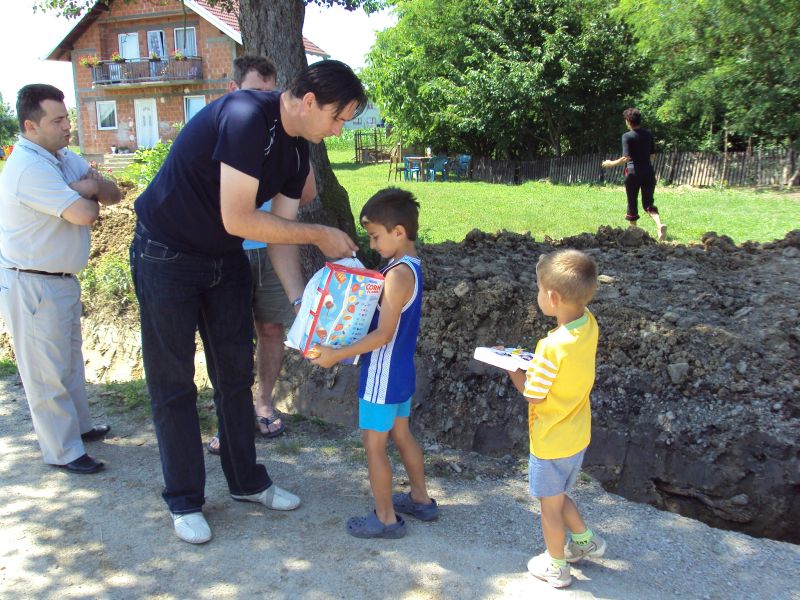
point(696, 405)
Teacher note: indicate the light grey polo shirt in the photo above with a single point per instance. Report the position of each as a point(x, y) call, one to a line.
point(34, 192)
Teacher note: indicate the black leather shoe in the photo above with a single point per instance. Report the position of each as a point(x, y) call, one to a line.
point(83, 464)
point(97, 432)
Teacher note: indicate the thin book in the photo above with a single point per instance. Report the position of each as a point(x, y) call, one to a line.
point(510, 359)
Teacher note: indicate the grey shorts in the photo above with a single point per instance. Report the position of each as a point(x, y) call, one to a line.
point(553, 477)
point(270, 304)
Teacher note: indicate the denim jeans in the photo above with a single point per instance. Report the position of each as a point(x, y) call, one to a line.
point(178, 293)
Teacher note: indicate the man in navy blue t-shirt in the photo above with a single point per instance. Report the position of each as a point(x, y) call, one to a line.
point(190, 271)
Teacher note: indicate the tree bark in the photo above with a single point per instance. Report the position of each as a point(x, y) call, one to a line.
point(274, 28)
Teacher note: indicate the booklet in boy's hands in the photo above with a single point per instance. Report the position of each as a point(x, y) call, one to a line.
point(510, 359)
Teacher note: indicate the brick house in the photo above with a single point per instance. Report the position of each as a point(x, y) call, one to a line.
point(168, 69)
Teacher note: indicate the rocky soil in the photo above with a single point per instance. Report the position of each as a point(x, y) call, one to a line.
point(697, 402)
point(696, 406)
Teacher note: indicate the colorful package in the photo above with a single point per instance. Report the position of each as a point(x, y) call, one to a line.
point(338, 304)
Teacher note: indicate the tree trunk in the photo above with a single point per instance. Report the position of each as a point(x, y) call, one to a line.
point(274, 28)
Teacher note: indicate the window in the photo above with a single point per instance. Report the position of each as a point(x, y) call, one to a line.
point(155, 43)
point(107, 114)
point(129, 45)
point(371, 121)
point(186, 40)
point(192, 105)
point(357, 121)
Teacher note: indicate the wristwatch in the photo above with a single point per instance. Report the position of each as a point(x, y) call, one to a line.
point(297, 301)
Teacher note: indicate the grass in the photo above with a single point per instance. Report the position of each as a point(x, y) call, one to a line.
point(450, 210)
point(7, 367)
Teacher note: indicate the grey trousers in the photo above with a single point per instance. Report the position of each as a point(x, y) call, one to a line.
point(43, 314)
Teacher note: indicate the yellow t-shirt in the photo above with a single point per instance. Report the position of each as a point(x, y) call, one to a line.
point(562, 372)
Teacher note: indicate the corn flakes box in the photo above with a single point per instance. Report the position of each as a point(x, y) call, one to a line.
point(338, 306)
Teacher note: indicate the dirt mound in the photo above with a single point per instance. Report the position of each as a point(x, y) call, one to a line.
point(696, 406)
point(697, 401)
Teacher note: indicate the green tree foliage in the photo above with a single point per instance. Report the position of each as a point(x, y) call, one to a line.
point(9, 126)
point(506, 78)
point(721, 64)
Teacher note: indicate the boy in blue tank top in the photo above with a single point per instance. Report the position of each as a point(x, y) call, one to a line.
point(388, 378)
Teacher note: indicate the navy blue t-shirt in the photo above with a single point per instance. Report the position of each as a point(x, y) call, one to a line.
point(638, 145)
point(181, 206)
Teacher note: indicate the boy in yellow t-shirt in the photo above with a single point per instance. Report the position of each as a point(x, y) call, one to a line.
point(557, 386)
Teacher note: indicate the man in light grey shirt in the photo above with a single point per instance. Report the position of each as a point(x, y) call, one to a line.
point(49, 197)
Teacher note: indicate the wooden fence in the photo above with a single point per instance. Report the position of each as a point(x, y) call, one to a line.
point(760, 168)
point(371, 145)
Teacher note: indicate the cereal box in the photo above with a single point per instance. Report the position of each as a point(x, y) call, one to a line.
point(337, 306)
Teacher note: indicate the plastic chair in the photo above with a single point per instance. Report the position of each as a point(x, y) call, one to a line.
point(438, 164)
point(410, 171)
point(462, 166)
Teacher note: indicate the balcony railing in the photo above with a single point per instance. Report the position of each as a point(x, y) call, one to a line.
point(144, 70)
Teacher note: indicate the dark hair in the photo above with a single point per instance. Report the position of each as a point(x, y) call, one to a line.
point(390, 207)
point(250, 62)
point(332, 82)
point(633, 116)
point(29, 102)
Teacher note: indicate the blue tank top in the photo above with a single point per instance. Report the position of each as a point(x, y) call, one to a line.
point(387, 373)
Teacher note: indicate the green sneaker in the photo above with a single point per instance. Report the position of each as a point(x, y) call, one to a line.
point(543, 568)
point(574, 552)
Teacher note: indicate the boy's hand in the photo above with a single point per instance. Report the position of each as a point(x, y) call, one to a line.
point(518, 379)
point(326, 357)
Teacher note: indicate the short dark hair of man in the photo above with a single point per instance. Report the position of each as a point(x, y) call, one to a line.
point(632, 116)
point(242, 65)
point(29, 102)
point(331, 82)
point(391, 207)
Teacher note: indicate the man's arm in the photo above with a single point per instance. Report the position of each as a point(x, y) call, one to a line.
point(240, 217)
point(81, 212)
point(309, 187)
point(107, 191)
point(607, 164)
point(397, 289)
point(285, 258)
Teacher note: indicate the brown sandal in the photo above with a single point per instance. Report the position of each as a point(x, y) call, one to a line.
point(267, 422)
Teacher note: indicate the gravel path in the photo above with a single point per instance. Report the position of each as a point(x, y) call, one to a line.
point(110, 536)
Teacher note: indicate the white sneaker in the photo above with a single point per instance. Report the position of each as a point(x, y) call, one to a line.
point(273, 497)
point(192, 527)
point(595, 549)
point(543, 568)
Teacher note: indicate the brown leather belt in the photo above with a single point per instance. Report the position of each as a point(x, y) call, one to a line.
point(35, 272)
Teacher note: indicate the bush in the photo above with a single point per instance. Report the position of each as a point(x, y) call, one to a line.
point(109, 281)
point(346, 141)
point(147, 162)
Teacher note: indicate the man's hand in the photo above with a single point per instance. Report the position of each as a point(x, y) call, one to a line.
point(326, 356)
point(87, 188)
point(93, 173)
point(334, 243)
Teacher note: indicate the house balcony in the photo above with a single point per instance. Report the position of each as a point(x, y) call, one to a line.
point(138, 71)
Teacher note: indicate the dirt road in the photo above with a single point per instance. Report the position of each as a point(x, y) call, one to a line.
point(110, 535)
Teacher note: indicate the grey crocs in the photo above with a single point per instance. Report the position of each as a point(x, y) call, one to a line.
point(424, 512)
point(371, 527)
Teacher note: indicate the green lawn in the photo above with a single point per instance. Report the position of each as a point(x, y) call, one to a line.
point(450, 210)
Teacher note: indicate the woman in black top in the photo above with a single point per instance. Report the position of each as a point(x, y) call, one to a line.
point(638, 149)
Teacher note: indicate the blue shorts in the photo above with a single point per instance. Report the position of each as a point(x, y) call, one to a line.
point(380, 417)
point(553, 477)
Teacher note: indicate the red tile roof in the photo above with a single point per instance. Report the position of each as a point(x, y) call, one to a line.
point(231, 19)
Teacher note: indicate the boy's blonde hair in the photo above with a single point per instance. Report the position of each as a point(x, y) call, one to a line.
point(571, 273)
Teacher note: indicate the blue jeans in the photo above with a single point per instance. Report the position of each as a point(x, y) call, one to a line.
point(178, 293)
